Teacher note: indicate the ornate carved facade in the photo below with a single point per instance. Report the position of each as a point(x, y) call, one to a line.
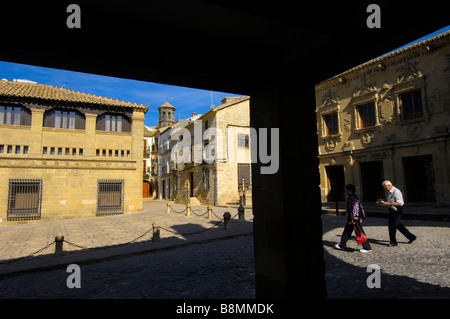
point(388, 119)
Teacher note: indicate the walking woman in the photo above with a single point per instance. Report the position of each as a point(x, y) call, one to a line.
point(355, 214)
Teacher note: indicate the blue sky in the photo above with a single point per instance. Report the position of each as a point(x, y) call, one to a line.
point(185, 100)
point(423, 38)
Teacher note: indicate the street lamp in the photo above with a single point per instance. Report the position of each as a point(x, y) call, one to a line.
point(243, 191)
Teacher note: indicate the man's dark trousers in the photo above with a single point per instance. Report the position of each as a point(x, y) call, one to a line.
point(395, 223)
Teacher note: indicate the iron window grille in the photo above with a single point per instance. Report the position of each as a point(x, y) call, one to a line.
point(110, 194)
point(24, 199)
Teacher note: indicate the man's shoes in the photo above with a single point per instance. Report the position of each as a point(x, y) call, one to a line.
point(392, 245)
point(338, 247)
point(411, 240)
point(364, 251)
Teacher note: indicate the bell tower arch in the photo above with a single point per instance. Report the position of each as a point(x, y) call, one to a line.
point(166, 115)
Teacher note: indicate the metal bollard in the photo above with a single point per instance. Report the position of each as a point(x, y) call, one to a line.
point(188, 209)
point(59, 239)
point(227, 220)
point(209, 212)
point(241, 212)
point(168, 208)
point(156, 235)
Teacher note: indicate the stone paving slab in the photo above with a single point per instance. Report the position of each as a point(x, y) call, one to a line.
point(100, 238)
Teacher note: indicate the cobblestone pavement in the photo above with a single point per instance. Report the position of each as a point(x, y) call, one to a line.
point(21, 240)
point(225, 268)
point(222, 269)
point(417, 270)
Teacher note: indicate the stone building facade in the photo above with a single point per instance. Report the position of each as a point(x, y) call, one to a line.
point(149, 185)
point(216, 179)
point(208, 169)
point(388, 119)
point(66, 154)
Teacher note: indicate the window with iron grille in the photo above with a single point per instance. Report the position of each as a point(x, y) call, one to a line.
point(110, 196)
point(24, 199)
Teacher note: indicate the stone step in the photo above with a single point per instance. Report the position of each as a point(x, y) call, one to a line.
point(194, 201)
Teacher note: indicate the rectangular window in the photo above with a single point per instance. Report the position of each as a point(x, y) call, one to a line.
point(113, 123)
point(67, 151)
point(119, 123)
point(331, 123)
point(108, 123)
point(25, 149)
point(17, 149)
point(52, 151)
point(16, 117)
point(411, 104)
point(10, 115)
point(64, 120)
point(71, 120)
point(2, 149)
point(80, 152)
point(44, 150)
point(366, 115)
point(57, 119)
point(243, 141)
point(59, 150)
point(24, 199)
point(74, 151)
point(110, 196)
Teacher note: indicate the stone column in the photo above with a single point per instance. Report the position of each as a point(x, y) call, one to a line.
point(89, 146)
point(137, 155)
point(37, 121)
point(286, 205)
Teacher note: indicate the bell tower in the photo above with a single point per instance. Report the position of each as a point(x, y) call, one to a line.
point(166, 115)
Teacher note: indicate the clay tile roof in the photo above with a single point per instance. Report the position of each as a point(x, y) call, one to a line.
point(35, 90)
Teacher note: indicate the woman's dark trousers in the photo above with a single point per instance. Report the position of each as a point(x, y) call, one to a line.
point(348, 230)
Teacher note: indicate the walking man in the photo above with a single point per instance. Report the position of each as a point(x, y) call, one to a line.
point(395, 202)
